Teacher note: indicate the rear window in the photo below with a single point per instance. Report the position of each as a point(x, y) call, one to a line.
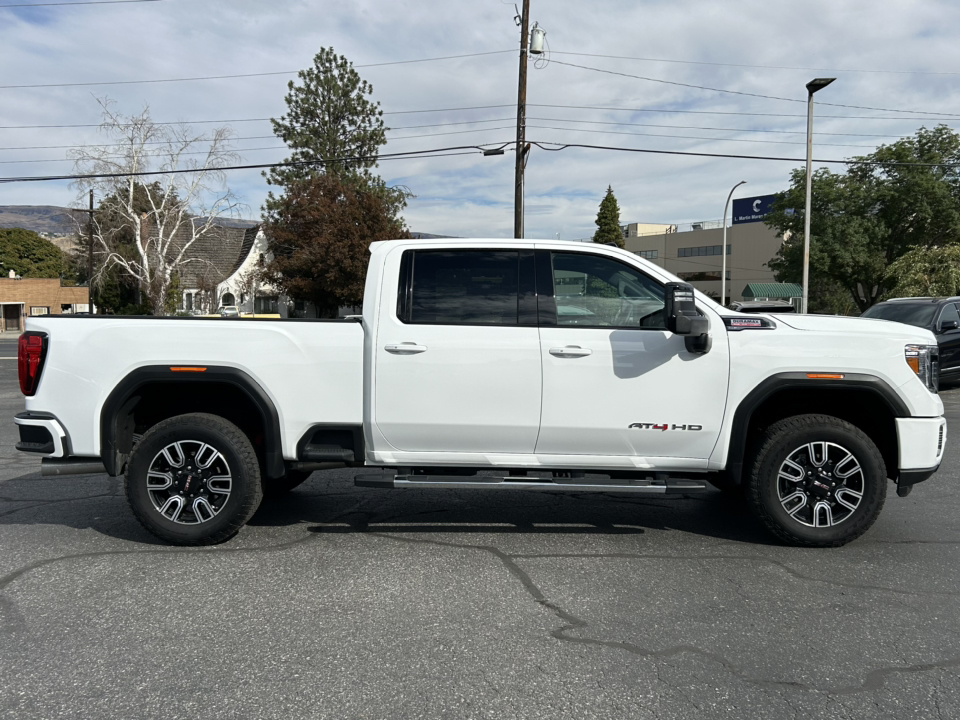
point(465, 287)
point(917, 314)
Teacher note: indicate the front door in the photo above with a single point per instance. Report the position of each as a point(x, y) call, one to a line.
point(11, 318)
point(457, 352)
point(615, 380)
point(949, 341)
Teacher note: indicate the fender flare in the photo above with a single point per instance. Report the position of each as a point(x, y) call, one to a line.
point(123, 397)
point(789, 380)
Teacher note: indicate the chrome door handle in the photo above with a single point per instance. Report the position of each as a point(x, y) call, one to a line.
point(571, 351)
point(405, 349)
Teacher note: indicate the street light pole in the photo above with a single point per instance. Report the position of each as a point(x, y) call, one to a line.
point(723, 273)
point(812, 87)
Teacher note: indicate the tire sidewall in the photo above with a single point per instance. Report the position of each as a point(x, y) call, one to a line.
point(773, 454)
point(243, 482)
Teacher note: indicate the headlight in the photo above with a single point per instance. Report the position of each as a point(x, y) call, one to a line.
point(924, 360)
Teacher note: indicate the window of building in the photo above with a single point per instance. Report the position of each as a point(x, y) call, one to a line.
point(596, 291)
point(649, 254)
point(34, 310)
point(701, 275)
point(66, 309)
point(188, 301)
point(266, 305)
point(703, 250)
point(468, 287)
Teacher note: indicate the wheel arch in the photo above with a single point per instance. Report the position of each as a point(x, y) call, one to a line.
point(243, 401)
point(864, 400)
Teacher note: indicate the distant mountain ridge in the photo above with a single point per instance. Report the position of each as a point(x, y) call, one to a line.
point(58, 221)
point(54, 220)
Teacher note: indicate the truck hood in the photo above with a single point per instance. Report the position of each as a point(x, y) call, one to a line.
point(856, 326)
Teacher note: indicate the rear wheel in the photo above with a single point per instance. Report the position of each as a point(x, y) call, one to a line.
point(816, 481)
point(193, 480)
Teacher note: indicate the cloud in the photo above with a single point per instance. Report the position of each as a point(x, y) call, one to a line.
point(473, 195)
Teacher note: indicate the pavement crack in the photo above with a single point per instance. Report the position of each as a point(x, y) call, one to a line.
point(874, 679)
point(742, 558)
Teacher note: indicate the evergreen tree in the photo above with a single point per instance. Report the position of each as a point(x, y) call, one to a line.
point(608, 221)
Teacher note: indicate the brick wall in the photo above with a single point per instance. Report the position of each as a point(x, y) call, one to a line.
point(40, 292)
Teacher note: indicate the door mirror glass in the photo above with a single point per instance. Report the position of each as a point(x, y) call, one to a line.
point(949, 318)
point(683, 318)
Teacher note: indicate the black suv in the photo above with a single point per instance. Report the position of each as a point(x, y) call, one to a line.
point(941, 316)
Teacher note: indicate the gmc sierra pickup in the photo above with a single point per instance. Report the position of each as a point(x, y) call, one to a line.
point(492, 365)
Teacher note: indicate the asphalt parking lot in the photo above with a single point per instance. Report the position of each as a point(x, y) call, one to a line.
point(342, 602)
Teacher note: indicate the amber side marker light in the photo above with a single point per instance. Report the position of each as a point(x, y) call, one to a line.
point(914, 362)
point(825, 376)
point(188, 369)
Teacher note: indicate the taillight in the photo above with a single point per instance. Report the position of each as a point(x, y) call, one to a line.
point(30, 355)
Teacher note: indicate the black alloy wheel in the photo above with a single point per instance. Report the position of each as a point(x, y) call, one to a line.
point(816, 481)
point(193, 480)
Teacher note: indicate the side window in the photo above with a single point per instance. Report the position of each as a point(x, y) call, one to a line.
point(596, 291)
point(460, 287)
point(949, 313)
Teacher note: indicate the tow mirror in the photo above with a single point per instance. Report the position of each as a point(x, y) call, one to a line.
point(682, 317)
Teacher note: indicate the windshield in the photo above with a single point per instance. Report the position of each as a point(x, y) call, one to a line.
point(909, 313)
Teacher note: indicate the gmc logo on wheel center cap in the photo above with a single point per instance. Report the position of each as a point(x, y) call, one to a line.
point(663, 427)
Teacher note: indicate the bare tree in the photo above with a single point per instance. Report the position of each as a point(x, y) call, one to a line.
point(152, 226)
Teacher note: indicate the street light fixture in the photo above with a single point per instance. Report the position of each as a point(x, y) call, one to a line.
point(723, 273)
point(812, 87)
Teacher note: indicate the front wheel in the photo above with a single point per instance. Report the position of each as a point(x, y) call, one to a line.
point(816, 481)
point(193, 480)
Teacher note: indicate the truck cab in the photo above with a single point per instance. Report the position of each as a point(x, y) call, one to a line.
point(497, 365)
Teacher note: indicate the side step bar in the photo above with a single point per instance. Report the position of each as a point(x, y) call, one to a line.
point(513, 482)
point(71, 466)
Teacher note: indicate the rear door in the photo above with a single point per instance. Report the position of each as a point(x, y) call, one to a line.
point(615, 380)
point(457, 351)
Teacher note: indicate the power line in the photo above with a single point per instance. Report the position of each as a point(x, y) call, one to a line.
point(239, 75)
point(693, 137)
point(85, 2)
point(470, 150)
point(611, 108)
point(410, 154)
point(238, 151)
point(492, 120)
point(252, 137)
point(748, 94)
point(701, 127)
point(563, 146)
point(763, 67)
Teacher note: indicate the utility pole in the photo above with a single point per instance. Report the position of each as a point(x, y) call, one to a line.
point(521, 123)
point(90, 255)
point(90, 252)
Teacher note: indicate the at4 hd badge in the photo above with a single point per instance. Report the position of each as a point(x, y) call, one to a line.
point(663, 427)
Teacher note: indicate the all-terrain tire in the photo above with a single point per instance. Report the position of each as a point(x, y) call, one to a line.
point(229, 485)
point(770, 483)
point(278, 487)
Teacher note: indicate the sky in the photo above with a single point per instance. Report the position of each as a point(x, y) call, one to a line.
point(899, 58)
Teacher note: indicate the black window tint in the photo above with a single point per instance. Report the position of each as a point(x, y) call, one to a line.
point(919, 314)
point(468, 287)
point(948, 314)
point(597, 291)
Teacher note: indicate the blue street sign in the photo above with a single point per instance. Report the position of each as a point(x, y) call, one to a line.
point(755, 209)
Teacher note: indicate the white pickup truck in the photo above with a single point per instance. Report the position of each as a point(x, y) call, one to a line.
point(492, 365)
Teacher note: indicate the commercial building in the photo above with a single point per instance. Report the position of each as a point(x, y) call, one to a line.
point(693, 251)
point(20, 297)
